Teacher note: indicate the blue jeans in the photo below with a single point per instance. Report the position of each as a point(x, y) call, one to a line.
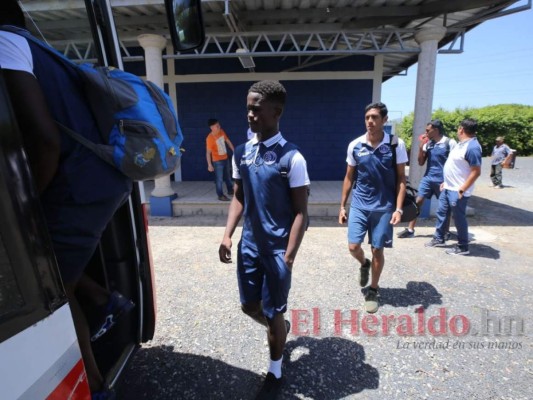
point(222, 175)
point(449, 199)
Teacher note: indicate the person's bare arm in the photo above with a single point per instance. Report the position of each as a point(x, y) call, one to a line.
point(346, 189)
point(400, 192)
point(299, 199)
point(475, 172)
point(40, 134)
point(422, 155)
point(236, 208)
point(210, 167)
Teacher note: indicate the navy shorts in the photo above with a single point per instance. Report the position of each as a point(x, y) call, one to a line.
point(377, 223)
point(263, 278)
point(428, 189)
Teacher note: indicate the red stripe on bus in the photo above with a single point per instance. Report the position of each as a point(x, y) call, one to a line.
point(150, 260)
point(74, 386)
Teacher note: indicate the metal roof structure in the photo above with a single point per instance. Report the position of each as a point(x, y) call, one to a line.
point(315, 31)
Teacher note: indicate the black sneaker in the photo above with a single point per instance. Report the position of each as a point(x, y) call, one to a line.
point(406, 233)
point(458, 251)
point(364, 272)
point(371, 300)
point(271, 388)
point(116, 306)
point(450, 236)
point(435, 243)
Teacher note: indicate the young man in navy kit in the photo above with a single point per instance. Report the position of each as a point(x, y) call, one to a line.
point(275, 218)
point(434, 149)
point(377, 197)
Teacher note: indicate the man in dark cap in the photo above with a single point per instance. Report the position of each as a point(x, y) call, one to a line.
point(434, 148)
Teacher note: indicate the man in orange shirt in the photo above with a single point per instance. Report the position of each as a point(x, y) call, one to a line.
point(217, 157)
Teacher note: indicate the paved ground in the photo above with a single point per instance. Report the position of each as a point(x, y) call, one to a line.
point(418, 346)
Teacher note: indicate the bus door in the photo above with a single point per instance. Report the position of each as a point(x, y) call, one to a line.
point(39, 352)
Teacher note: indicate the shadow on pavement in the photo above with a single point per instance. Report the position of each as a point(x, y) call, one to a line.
point(415, 293)
point(328, 368)
point(483, 251)
point(490, 212)
point(158, 373)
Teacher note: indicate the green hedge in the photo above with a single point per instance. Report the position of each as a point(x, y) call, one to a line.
point(513, 121)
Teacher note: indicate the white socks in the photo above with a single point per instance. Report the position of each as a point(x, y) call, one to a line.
point(275, 367)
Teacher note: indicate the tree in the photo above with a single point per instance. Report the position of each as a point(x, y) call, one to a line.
point(512, 121)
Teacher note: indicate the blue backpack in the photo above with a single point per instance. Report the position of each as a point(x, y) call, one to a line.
point(136, 118)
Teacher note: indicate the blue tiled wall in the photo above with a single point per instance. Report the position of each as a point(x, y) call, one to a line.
point(272, 64)
point(321, 117)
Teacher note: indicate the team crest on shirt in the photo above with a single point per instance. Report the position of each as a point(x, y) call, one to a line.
point(269, 157)
point(383, 149)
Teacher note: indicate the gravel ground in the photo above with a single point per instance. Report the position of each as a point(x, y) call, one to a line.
point(205, 348)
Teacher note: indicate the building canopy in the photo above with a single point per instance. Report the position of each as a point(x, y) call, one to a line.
point(313, 32)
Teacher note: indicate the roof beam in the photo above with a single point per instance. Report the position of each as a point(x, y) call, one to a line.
point(56, 5)
point(120, 22)
point(372, 13)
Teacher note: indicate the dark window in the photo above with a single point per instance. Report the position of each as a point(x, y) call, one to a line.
point(30, 288)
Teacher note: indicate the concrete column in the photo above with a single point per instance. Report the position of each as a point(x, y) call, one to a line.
point(172, 92)
point(378, 78)
point(425, 82)
point(163, 194)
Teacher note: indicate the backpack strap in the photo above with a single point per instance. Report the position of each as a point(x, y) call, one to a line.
point(285, 167)
point(99, 150)
point(447, 143)
point(394, 144)
point(285, 163)
point(237, 154)
point(103, 151)
point(45, 46)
